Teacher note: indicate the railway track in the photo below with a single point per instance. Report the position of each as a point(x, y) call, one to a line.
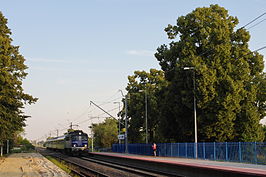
point(129, 169)
point(90, 166)
point(108, 164)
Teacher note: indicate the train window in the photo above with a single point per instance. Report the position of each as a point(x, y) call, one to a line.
point(75, 138)
point(79, 138)
point(84, 138)
point(67, 138)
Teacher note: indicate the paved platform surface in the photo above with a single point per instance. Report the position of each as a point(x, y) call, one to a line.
point(226, 166)
point(29, 165)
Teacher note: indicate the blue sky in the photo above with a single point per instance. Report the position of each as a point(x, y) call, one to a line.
point(83, 51)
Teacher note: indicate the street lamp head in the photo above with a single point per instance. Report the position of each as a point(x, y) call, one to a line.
point(188, 68)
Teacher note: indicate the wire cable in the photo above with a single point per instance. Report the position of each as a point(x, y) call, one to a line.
point(256, 24)
point(253, 20)
point(260, 49)
point(108, 111)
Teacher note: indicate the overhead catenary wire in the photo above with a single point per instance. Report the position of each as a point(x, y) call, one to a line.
point(112, 95)
point(111, 101)
point(108, 111)
point(256, 24)
point(253, 20)
point(93, 108)
point(98, 116)
point(91, 118)
point(260, 49)
point(104, 103)
point(108, 100)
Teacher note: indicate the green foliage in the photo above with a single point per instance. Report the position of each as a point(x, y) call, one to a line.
point(261, 94)
point(140, 84)
point(230, 86)
point(230, 83)
point(21, 144)
point(12, 96)
point(105, 134)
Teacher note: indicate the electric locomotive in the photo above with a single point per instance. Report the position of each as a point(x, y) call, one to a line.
point(73, 142)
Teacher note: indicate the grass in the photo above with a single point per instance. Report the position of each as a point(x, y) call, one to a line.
point(59, 164)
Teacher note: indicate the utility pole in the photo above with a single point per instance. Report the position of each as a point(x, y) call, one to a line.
point(71, 126)
point(91, 138)
point(126, 139)
point(146, 115)
point(119, 120)
point(194, 110)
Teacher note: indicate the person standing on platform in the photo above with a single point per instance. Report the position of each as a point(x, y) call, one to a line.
point(154, 148)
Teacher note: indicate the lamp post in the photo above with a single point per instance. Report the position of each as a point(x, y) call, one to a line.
point(126, 139)
point(195, 114)
point(146, 114)
point(119, 126)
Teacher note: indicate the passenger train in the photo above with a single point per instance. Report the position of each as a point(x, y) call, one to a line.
point(74, 142)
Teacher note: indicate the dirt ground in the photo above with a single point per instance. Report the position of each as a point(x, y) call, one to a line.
point(29, 165)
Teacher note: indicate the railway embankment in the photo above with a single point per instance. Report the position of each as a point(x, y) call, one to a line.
point(29, 164)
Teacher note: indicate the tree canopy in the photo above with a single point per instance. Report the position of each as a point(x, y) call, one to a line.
point(229, 82)
point(105, 133)
point(145, 84)
point(228, 75)
point(12, 96)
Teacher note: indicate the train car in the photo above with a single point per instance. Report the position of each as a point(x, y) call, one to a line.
point(73, 142)
point(57, 143)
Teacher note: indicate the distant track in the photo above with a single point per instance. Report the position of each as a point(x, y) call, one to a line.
point(76, 167)
point(91, 166)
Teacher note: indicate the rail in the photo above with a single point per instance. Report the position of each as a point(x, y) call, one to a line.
point(87, 165)
point(132, 169)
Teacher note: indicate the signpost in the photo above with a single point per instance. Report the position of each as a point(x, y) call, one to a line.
point(121, 137)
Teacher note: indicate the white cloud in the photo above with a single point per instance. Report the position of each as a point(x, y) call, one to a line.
point(141, 52)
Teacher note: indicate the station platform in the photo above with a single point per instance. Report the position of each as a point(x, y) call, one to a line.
point(227, 167)
point(30, 165)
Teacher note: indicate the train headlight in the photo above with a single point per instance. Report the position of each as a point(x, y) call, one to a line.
point(85, 145)
point(74, 145)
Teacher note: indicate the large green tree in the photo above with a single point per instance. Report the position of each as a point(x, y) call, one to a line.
point(105, 133)
point(12, 96)
point(228, 78)
point(145, 84)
